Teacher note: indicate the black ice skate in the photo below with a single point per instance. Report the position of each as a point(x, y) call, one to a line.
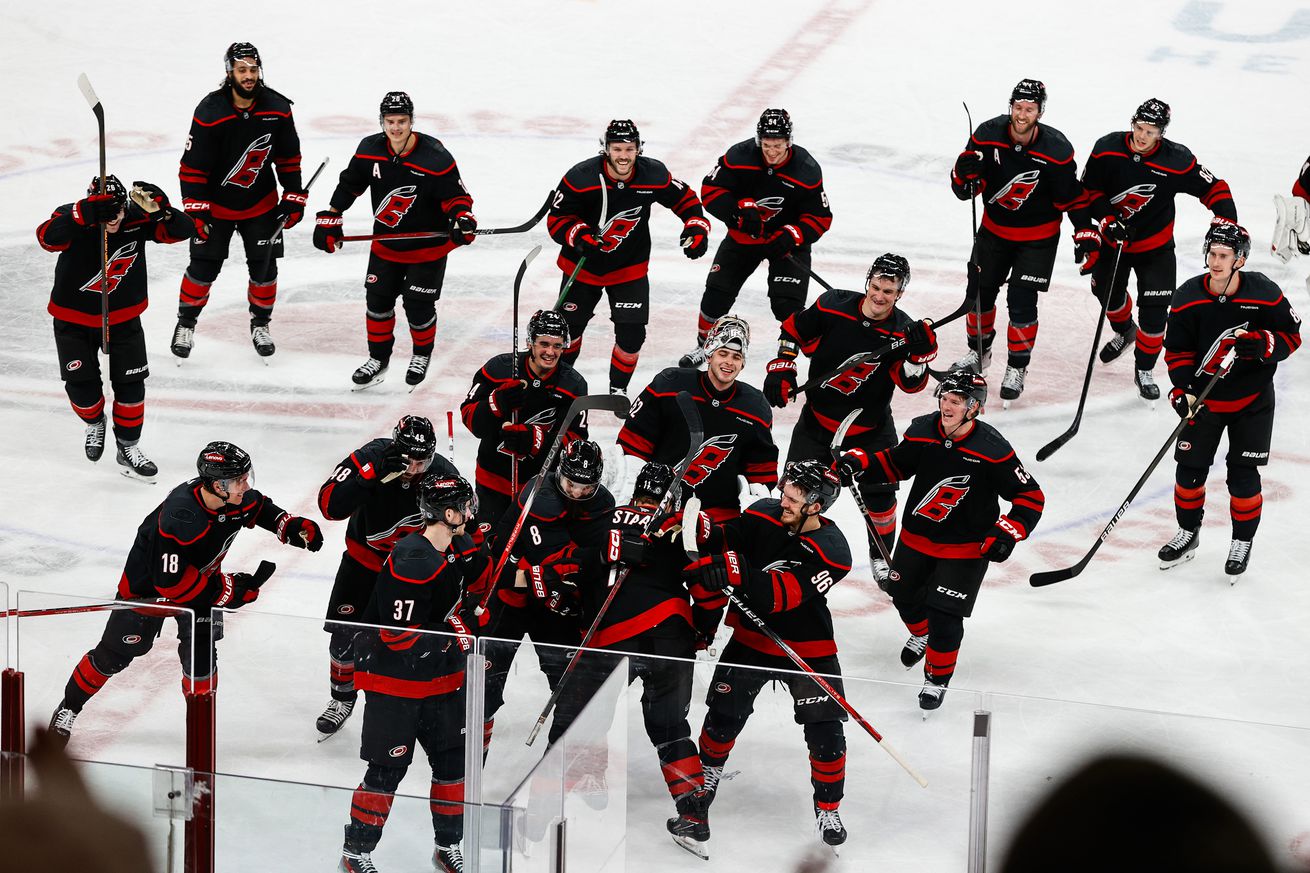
point(417, 370)
point(1012, 384)
point(262, 339)
point(827, 822)
point(1115, 347)
point(94, 441)
point(931, 694)
point(61, 724)
point(184, 339)
point(1146, 387)
point(912, 651)
point(370, 373)
point(1180, 549)
point(356, 862)
point(135, 464)
point(448, 859)
point(1239, 555)
point(691, 827)
point(333, 717)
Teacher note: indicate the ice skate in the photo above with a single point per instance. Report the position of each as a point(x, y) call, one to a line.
point(1012, 385)
point(1117, 343)
point(1146, 387)
point(448, 859)
point(135, 464)
point(94, 441)
point(184, 339)
point(61, 724)
point(333, 717)
point(356, 862)
point(693, 358)
point(1180, 549)
point(690, 828)
point(1239, 555)
point(262, 339)
point(881, 572)
point(972, 362)
point(930, 696)
point(912, 651)
point(369, 373)
point(417, 370)
point(827, 822)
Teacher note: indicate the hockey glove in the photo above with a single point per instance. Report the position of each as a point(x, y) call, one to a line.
point(328, 231)
point(552, 584)
point(748, 219)
point(95, 209)
point(1254, 345)
point(780, 381)
point(1001, 539)
point(462, 226)
point(920, 342)
point(1182, 402)
point(299, 532)
point(722, 572)
point(292, 208)
point(523, 441)
point(393, 462)
point(695, 238)
point(781, 242)
point(625, 547)
point(152, 194)
point(238, 590)
point(583, 238)
point(969, 167)
point(507, 398)
point(1086, 249)
point(852, 465)
point(198, 211)
point(1113, 231)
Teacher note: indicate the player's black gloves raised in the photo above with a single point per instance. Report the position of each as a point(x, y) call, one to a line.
point(851, 465)
point(524, 441)
point(720, 572)
point(95, 209)
point(586, 241)
point(1254, 345)
point(695, 237)
point(328, 231)
point(152, 194)
point(920, 342)
point(508, 397)
point(969, 166)
point(780, 381)
point(748, 219)
point(300, 532)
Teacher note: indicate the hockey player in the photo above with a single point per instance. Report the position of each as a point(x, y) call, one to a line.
point(737, 423)
point(836, 326)
point(73, 230)
point(1026, 175)
point(414, 186)
point(781, 557)
point(1292, 219)
point(414, 682)
point(239, 134)
point(769, 192)
point(1131, 180)
point(610, 250)
point(1225, 308)
point(952, 526)
point(516, 407)
point(177, 559)
point(376, 488)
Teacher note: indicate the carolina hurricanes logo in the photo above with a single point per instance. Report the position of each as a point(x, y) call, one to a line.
point(769, 207)
point(120, 262)
point(246, 170)
point(387, 539)
point(1016, 192)
point(1215, 354)
point(396, 205)
point(849, 381)
point(944, 496)
point(713, 452)
point(618, 228)
point(1133, 200)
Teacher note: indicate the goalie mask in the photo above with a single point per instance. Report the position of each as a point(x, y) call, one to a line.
point(729, 332)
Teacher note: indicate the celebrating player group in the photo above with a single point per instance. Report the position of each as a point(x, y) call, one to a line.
point(713, 531)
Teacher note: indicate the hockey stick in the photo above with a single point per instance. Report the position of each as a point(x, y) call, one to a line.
point(693, 554)
point(607, 402)
point(261, 574)
point(973, 251)
point(813, 275)
point(268, 243)
point(514, 363)
point(604, 226)
point(839, 437)
point(1050, 577)
point(1054, 445)
point(434, 234)
point(696, 433)
point(98, 110)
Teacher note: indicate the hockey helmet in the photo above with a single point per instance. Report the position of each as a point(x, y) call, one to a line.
point(438, 492)
point(890, 265)
point(395, 103)
point(416, 437)
point(221, 461)
point(1032, 91)
point(548, 322)
point(773, 124)
point(242, 51)
point(1225, 233)
point(113, 187)
point(580, 466)
point(622, 130)
point(972, 386)
point(729, 332)
point(1155, 112)
point(653, 481)
point(817, 482)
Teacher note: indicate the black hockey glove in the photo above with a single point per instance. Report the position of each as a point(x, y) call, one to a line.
point(920, 342)
point(1113, 231)
point(1182, 402)
point(586, 241)
point(151, 194)
point(780, 381)
point(625, 547)
point(969, 166)
point(748, 219)
point(1001, 539)
point(723, 571)
point(552, 584)
point(393, 461)
point(95, 209)
point(462, 225)
point(328, 231)
point(292, 208)
point(300, 532)
point(508, 397)
point(1086, 249)
point(851, 465)
point(1254, 345)
point(695, 238)
point(238, 590)
point(198, 211)
point(781, 242)
point(524, 441)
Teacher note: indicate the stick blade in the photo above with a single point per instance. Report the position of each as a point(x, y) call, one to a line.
point(1050, 577)
point(84, 84)
point(536, 250)
point(1055, 445)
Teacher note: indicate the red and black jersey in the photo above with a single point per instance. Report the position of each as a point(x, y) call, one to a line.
point(652, 602)
point(179, 547)
point(419, 190)
point(547, 401)
point(829, 331)
point(231, 155)
point(788, 194)
point(419, 589)
point(625, 246)
point(1025, 187)
point(1203, 325)
point(739, 420)
point(75, 296)
point(1140, 189)
point(957, 487)
point(380, 513)
point(785, 579)
point(1301, 187)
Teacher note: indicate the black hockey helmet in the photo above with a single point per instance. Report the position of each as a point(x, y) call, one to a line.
point(622, 130)
point(773, 124)
point(582, 464)
point(1155, 112)
point(1031, 90)
point(972, 386)
point(892, 266)
point(220, 461)
point(729, 332)
point(395, 103)
point(548, 322)
point(113, 187)
point(653, 481)
point(1225, 233)
point(437, 493)
point(242, 51)
point(416, 438)
point(817, 482)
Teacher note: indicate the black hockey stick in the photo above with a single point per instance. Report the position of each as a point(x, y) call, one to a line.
point(1054, 445)
point(689, 545)
point(813, 275)
point(481, 231)
point(514, 363)
point(1050, 577)
point(608, 402)
point(98, 110)
point(973, 250)
point(695, 435)
point(604, 226)
point(839, 437)
point(282, 223)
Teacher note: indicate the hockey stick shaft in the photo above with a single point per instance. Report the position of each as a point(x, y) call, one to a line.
point(481, 231)
point(98, 109)
point(1039, 580)
point(839, 437)
point(282, 223)
point(807, 268)
point(604, 226)
point(514, 362)
point(973, 248)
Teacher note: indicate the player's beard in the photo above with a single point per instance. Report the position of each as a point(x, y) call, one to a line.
point(242, 92)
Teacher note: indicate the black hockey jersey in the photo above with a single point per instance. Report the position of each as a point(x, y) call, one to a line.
point(179, 547)
point(547, 401)
point(1025, 187)
point(739, 420)
point(789, 194)
point(785, 580)
point(231, 154)
point(419, 190)
point(625, 246)
point(1140, 189)
point(380, 513)
point(829, 331)
point(652, 601)
point(1202, 326)
point(75, 296)
point(957, 487)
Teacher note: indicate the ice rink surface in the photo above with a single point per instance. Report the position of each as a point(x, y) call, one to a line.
point(520, 92)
